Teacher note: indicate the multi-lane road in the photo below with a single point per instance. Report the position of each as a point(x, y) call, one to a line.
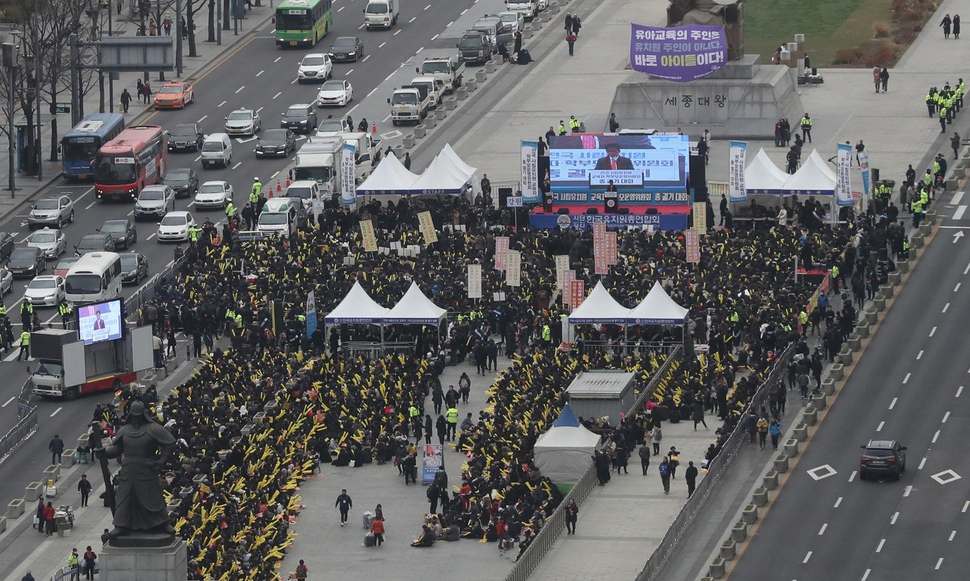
point(912, 385)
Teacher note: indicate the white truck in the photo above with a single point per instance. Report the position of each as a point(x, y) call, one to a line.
point(448, 70)
point(365, 144)
point(381, 13)
point(434, 86)
point(319, 159)
point(528, 8)
point(409, 104)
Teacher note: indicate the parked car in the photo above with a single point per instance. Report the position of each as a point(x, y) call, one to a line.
point(175, 226)
point(314, 67)
point(134, 268)
point(213, 195)
point(243, 122)
point(514, 21)
point(186, 137)
point(51, 242)
point(183, 181)
point(347, 49)
point(53, 212)
point(154, 201)
point(276, 143)
point(26, 262)
point(6, 281)
point(63, 265)
point(335, 93)
point(122, 231)
point(301, 118)
point(7, 242)
point(98, 242)
point(46, 290)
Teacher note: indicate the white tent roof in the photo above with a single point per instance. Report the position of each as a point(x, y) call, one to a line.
point(600, 307)
point(389, 177)
point(441, 176)
point(456, 161)
point(415, 307)
point(567, 437)
point(657, 308)
point(565, 453)
point(814, 177)
point(357, 307)
point(762, 176)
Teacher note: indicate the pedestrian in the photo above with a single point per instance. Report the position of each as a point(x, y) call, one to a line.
point(945, 23)
point(516, 44)
point(644, 452)
point(665, 475)
point(464, 387)
point(955, 144)
point(568, 23)
point(698, 414)
point(577, 24)
point(407, 160)
point(49, 523)
point(956, 27)
point(74, 565)
point(167, 25)
point(301, 571)
point(805, 124)
point(657, 438)
point(377, 529)
point(125, 100)
point(56, 447)
point(105, 537)
point(614, 124)
point(90, 562)
point(148, 93)
point(690, 475)
point(437, 397)
point(762, 432)
point(884, 79)
point(570, 41)
point(140, 89)
point(27, 577)
point(673, 461)
point(774, 430)
point(441, 428)
point(875, 77)
point(486, 190)
point(84, 488)
point(344, 503)
point(39, 514)
point(433, 493)
point(572, 515)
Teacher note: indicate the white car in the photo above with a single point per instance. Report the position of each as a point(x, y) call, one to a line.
point(543, 4)
point(45, 290)
point(243, 122)
point(51, 242)
point(6, 281)
point(514, 20)
point(335, 93)
point(175, 226)
point(214, 194)
point(315, 67)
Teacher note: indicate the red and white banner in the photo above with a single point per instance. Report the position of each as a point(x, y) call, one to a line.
point(577, 290)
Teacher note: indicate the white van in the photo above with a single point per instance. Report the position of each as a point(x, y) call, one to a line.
point(305, 190)
point(381, 13)
point(217, 150)
point(280, 217)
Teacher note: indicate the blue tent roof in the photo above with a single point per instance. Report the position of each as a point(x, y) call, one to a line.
point(567, 418)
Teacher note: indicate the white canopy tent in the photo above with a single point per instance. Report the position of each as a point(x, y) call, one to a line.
point(457, 161)
point(441, 176)
point(565, 451)
point(415, 308)
point(390, 177)
point(600, 307)
point(815, 177)
point(357, 307)
point(657, 308)
point(762, 176)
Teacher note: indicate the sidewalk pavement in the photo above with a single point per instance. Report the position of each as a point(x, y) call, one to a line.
point(334, 553)
point(207, 52)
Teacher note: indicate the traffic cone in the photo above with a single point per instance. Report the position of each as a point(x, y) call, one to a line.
point(278, 187)
point(373, 128)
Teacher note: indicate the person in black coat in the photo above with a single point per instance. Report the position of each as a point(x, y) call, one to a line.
point(428, 426)
point(441, 427)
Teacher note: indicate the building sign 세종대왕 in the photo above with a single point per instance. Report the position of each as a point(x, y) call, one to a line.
point(680, 53)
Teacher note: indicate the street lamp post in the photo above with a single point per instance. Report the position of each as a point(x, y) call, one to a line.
point(10, 64)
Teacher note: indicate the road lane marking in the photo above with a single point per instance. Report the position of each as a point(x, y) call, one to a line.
point(278, 59)
point(892, 404)
point(892, 520)
point(939, 563)
point(341, 9)
point(293, 82)
point(260, 109)
point(260, 73)
point(880, 545)
point(221, 104)
point(933, 331)
point(372, 91)
point(919, 355)
point(382, 45)
point(953, 534)
point(152, 235)
point(239, 90)
point(936, 436)
point(961, 210)
point(6, 403)
point(434, 38)
point(463, 12)
point(808, 556)
point(386, 117)
point(450, 22)
point(946, 417)
point(957, 198)
point(201, 119)
point(907, 490)
point(419, 50)
point(906, 379)
point(967, 269)
point(57, 411)
point(397, 32)
point(957, 287)
point(91, 205)
point(838, 502)
point(821, 531)
point(866, 575)
point(413, 18)
point(959, 391)
point(238, 163)
point(197, 158)
point(427, 7)
point(852, 476)
point(966, 505)
point(946, 307)
point(361, 27)
point(274, 175)
point(277, 95)
point(347, 74)
point(879, 427)
point(922, 463)
point(366, 57)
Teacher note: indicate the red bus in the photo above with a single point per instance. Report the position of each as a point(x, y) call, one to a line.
point(129, 162)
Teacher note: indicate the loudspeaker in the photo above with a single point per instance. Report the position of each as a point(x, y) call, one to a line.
point(875, 174)
point(697, 178)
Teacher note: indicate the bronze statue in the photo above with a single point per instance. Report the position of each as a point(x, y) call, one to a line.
point(139, 508)
point(726, 13)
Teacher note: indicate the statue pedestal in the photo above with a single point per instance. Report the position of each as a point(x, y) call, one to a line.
point(166, 563)
point(743, 100)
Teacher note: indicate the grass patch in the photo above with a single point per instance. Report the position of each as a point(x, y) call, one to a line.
point(828, 25)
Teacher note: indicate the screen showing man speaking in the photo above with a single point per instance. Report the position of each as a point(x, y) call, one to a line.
point(590, 161)
point(100, 322)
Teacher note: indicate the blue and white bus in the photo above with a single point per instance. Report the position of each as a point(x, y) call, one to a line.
point(80, 145)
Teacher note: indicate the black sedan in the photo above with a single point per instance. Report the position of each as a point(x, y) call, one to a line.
point(346, 49)
point(183, 180)
point(134, 268)
point(185, 137)
point(26, 262)
point(7, 243)
point(100, 242)
point(122, 231)
point(276, 143)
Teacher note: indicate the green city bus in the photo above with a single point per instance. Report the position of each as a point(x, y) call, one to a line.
point(302, 22)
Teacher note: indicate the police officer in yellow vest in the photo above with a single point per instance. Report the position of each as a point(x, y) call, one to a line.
point(574, 124)
point(230, 210)
point(806, 123)
point(943, 116)
point(24, 345)
point(26, 314)
point(194, 233)
point(451, 416)
point(547, 333)
point(64, 310)
point(931, 102)
point(916, 207)
point(256, 199)
point(3, 311)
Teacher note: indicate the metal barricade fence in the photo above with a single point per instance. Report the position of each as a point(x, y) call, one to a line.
point(24, 427)
point(25, 399)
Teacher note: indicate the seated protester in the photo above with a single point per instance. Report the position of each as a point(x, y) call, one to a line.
point(527, 537)
point(523, 58)
point(426, 539)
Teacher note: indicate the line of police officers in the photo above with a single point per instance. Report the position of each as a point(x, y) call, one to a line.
point(945, 103)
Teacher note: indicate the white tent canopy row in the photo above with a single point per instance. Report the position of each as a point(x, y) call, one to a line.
point(358, 307)
point(446, 174)
point(657, 308)
point(815, 177)
point(565, 451)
